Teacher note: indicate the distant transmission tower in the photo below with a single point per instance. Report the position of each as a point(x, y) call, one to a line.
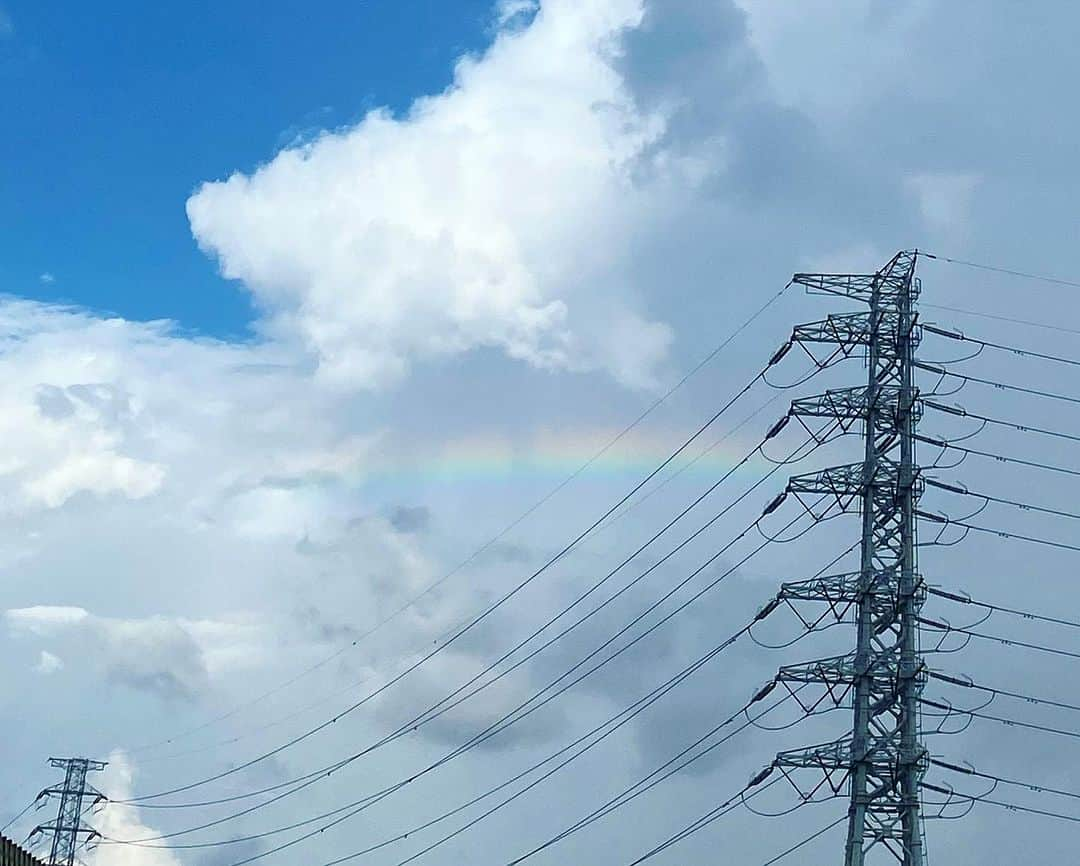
point(883, 762)
point(68, 828)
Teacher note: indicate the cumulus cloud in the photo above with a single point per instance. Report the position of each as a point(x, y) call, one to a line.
point(189, 516)
point(473, 220)
point(121, 822)
point(48, 663)
point(169, 658)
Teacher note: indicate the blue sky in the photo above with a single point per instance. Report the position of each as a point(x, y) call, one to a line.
point(115, 112)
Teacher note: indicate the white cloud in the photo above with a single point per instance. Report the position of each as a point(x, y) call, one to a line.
point(113, 408)
point(48, 663)
point(124, 822)
point(829, 57)
point(499, 213)
point(47, 278)
point(508, 10)
point(170, 657)
point(944, 200)
point(44, 620)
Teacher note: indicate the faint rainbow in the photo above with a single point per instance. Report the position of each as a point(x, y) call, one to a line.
point(551, 456)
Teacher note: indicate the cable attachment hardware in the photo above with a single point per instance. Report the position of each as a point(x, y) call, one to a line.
point(779, 354)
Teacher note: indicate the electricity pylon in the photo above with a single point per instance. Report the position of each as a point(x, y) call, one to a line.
point(883, 762)
point(68, 828)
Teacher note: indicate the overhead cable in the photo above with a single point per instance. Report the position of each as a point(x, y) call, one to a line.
point(966, 599)
point(1004, 641)
point(952, 334)
point(990, 455)
point(1000, 533)
point(1031, 786)
point(495, 728)
point(487, 611)
point(998, 318)
point(1008, 722)
point(413, 600)
point(1023, 506)
point(1000, 270)
point(961, 412)
point(1012, 807)
point(1001, 386)
point(499, 725)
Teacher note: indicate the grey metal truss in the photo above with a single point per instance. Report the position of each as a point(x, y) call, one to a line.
point(882, 763)
point(68, 829)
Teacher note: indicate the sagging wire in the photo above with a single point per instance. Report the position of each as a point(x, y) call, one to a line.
point(318, 775)
point(495, 728)
point(636, 709)
point(946, 521)
point(969, 770)
point(708, 358)
point(956, 334)
point(962, 412)
point(818, 365)
point(948, 444)
point(968, 683)
point(1004, 720)
point(964, 598)
point(475, 620)
point(1036, 392)
point(938, 625)
point(667, 770)
point(1012, 807)
point(946, 630)
point(987, 498)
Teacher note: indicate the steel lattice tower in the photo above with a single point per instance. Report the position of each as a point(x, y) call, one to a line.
point(68, 827)
point(883, 761)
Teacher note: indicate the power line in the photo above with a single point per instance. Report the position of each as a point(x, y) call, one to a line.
point(806, 841)
point(26, 809)
point(1000, 533)
point(311, 778)
point(966, 599)
point(1003, 386)
point(1015, 350)
point(510, 799)
point(507, 719)
point(652, 407)
point(990, 455)
point(477, 820)
point(1031, 786)
point(1023, 506)
point(971, 684)
point(999, 318)
point(999, 270)
point(350, 688)
point(487, 611)
point(1004, 641)
point(709, 817)
point(961, 412)
point(1012, 807)
point(494, 729)
point(1011, 723)
point(612, 724)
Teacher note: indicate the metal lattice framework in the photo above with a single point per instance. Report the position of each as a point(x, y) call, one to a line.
point(883, 761)
point(68, 828)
